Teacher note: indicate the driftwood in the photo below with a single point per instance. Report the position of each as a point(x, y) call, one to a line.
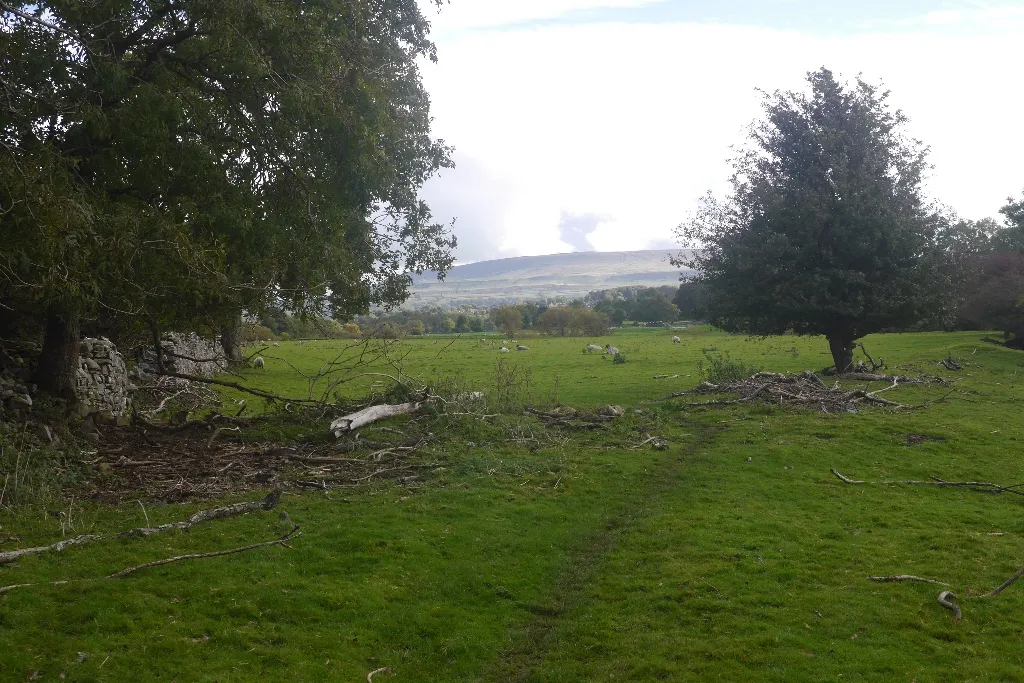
point(12, 555)
point(361, 418)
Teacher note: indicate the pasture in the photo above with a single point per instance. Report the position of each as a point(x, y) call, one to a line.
point(531, 552)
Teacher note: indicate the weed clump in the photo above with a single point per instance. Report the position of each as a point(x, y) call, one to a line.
point(721, 368)
point(619, 359)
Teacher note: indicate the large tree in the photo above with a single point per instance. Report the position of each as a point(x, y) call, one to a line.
point(825, 229)
point(172, 163)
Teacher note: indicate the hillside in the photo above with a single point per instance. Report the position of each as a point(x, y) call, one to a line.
point(527, 278)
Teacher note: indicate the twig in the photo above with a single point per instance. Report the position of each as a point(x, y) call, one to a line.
point(217, 431)
point(195, 556)
point(383, 669)
point(904, 577)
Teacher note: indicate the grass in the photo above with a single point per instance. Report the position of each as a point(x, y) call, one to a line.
point(733, 555)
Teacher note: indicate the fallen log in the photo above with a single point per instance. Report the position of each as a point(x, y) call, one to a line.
point(12, 555)
point(235, 510)
point(361, 418)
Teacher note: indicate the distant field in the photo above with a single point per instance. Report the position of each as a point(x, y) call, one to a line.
point(540, 554)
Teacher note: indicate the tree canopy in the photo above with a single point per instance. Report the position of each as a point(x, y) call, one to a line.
point(825, 229)
point(174, 162)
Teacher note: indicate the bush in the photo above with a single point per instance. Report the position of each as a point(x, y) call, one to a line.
point(721, 368)
point(618, 359)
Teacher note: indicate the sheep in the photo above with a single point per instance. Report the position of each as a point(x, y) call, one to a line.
point(520, 347)
point(277, 343)
point(675, 340)
point(610, 350)
point(257, 362)
point(502, 350)
point(593, 347)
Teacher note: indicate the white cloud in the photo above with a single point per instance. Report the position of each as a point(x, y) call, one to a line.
point(632, 122)
point(463, 14)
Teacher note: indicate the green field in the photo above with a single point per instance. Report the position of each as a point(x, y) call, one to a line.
point(535, 553)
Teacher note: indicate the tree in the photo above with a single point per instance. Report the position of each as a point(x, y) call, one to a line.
point(557, 320)
point(173, 163)
point(507, 319)
point(825, 230)
point(590, 322)
point(652, 305)
point(689, 300)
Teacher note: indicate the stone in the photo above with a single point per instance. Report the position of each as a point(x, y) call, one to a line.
point(611, 411)
point(22, 400)
point(44, 433)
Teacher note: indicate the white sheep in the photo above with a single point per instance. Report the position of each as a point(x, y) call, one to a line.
point(502, 350)
point(610, 350)
point(520, 347)
point(676, 340)
point(257, 362)
point(277, 343)
point(593, 347)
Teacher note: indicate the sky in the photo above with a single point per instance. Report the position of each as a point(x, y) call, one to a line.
point(585, 125)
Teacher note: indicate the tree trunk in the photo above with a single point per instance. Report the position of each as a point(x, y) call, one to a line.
point(841, 346)
point(230, 340)
point(55, 373)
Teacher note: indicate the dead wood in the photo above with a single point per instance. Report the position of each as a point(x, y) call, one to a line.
point(196, 556)
point(804, 389)
point(12, 555)
point(1006, 584)
point(984, 486)
point(383, 669)
point(241, 387)
point(361, 418)
point(904, 577)
point(210, 515)
point(946, 600)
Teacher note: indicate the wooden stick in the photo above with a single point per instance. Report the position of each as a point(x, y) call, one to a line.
point(1006, 584)
point(196, 556)
point(12, 555)
point(383, 669)
point(235, 510)
point(904, 577)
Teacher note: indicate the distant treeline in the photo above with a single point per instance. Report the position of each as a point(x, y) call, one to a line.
point(591, 315)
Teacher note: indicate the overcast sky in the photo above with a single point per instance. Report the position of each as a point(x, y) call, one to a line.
point(597, 124)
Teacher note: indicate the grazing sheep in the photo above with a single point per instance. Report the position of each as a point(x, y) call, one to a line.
point(502, 350)
point(257, 362)
point(675, 340)
point(610, 350)
point(593, 347)
point(520, 347)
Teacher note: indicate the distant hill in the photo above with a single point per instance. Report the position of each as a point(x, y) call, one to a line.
point(528, 278)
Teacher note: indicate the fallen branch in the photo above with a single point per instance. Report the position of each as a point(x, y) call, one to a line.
point(240, 387)
point(196, 556)
point(985, 486)
point(361, 418)
point(1006, 584)
point(383, 669)
point(235, 510)
point(12, 555)
point(904, 577)
point(945, 599)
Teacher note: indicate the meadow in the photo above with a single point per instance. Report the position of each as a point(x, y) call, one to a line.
point(537, 553)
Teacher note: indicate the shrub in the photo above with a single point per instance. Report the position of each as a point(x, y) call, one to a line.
point(618, 359)
point(721, 368)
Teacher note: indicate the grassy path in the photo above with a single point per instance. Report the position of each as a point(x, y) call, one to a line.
point(576, 579)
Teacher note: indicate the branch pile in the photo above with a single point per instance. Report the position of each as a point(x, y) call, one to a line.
point(805, 390)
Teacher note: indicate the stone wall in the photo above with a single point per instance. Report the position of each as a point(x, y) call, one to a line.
point(188, 354)
point(101, 380)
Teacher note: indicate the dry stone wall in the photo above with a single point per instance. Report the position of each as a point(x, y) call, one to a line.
point(102, 383)
point(188, 354)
